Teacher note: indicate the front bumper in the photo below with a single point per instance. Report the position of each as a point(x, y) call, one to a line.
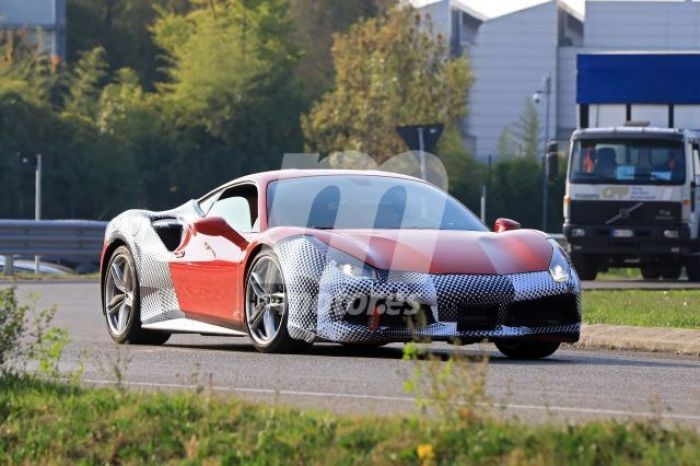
point(466, 307)
point(645, 241)
point(326, 304)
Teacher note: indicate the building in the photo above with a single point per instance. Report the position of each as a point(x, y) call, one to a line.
point(513, 52)
point(43, 20)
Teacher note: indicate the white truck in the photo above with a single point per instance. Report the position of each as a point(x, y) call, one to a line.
point(632, 201)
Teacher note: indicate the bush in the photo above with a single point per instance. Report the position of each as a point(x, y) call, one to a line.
point(26, 335)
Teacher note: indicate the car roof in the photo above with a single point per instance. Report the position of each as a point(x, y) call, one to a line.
point(266, 177)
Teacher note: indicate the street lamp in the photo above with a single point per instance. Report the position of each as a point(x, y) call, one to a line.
point(545, 91)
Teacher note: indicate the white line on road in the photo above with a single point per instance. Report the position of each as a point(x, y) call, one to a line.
point(270, 391)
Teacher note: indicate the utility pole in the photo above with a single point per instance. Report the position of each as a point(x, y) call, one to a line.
point(546, 91)
point(421, 148)
point(422, 138)
point(37, 203)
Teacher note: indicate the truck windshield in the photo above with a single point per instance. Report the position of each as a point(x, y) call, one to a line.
point(628, 162)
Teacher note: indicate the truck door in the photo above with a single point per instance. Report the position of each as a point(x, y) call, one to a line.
point(695, 189)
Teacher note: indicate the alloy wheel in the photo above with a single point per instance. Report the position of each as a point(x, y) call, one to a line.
point(265, 300)
point(119, 294)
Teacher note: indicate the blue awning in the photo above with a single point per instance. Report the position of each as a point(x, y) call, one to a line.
point(638, 78)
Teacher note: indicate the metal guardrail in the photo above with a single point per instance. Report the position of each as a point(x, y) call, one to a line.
point(66, 238)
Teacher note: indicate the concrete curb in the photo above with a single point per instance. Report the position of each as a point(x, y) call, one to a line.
point(674, 340)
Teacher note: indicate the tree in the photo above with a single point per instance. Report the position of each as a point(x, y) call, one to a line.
point(121, 28)
point(87, 80)
point(316, 22)
point(528, 132)
point(390, 71)
point(231, 80)
point(505, 147)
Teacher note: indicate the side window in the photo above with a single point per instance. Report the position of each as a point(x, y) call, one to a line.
point(239, 207)
point(206, 203)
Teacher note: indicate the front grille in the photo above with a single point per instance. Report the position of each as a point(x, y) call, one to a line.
point(624, 214)
point(402, 316)
point(478, 318)
point(544, 312)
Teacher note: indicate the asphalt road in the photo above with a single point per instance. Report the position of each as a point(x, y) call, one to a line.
point(572, 385)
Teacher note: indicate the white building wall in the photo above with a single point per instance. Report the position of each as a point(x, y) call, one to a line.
point(47, 16)
point(512, 53)
point(642, 25)
point(510, 57)
point(567, 118)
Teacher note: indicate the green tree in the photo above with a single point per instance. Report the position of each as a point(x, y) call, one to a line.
point(231, 80)
point(316, 22)
point(505, 147)
point(121, 28)
point(528, 132)
point(87, 79)
point(390, 71)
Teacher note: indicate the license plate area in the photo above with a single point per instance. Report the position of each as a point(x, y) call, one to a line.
point(622, 233)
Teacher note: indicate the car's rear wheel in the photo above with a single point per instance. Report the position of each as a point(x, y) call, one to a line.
point(527, 349)
point(121, 304)
point(266, 308)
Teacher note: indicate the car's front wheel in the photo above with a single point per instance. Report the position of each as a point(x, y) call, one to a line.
point(266, 309)
point(121, 303)
point(527, 349)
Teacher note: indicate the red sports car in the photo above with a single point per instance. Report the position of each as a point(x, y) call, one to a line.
point(297, 256)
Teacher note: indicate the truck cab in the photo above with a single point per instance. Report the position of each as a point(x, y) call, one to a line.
point(631, 201)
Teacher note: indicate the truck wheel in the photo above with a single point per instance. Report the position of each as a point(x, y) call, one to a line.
point(586, 266)
point(650, 272)
point(692, 268)
point(670, 272)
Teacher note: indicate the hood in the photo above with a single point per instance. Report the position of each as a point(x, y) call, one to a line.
point(444, 252)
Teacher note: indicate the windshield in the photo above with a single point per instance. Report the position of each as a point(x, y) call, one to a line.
point(628, 162)
point(356, 201)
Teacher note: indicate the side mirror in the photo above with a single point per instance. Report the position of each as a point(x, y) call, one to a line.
point(217, 226)
point(505, 224)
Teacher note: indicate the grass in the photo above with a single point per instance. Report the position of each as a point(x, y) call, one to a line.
point(621, 274)
point(47, 423)
point(644, 308)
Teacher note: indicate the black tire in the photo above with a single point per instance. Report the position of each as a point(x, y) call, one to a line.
point(586, 266)
point(527, 349)
point(271, 285)
point(131, 332)
point(670, 271)
point(692, 268)
point(650, 272)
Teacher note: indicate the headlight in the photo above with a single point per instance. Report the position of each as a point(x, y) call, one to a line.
point(350, 265)
point(559, 267)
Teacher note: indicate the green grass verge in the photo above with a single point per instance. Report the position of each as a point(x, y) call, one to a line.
point(620, 274)
point(645, 308)
point(44, 423)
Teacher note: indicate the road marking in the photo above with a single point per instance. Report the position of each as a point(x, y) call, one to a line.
point(270, 391)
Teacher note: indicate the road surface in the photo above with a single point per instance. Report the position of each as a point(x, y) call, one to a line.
point(574, 384)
